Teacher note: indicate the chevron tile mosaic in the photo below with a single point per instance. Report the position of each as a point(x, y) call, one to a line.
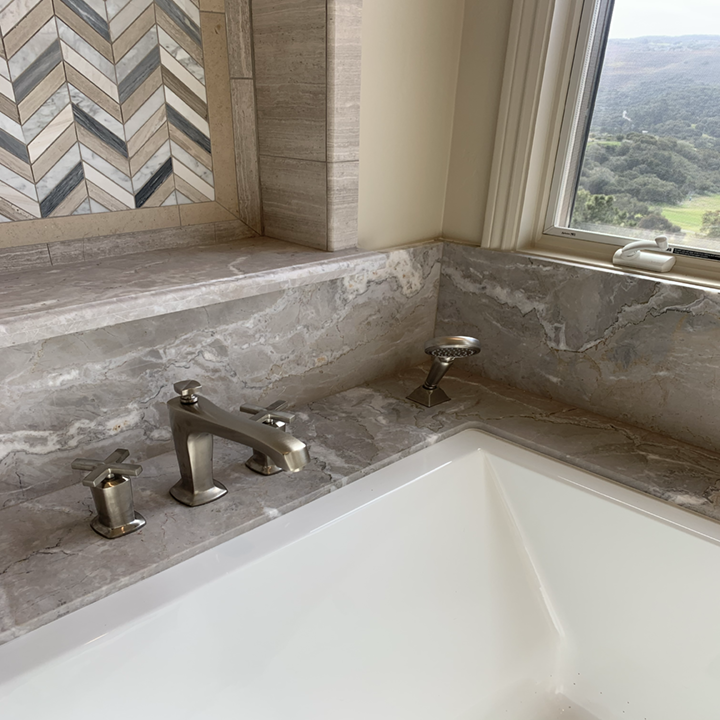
point(103, 107)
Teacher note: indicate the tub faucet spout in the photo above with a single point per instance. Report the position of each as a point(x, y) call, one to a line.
point(195, 420)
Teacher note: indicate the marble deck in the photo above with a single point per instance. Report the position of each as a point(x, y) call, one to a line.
point(630, 347)
point(53, 563)
point(251, 326)
point(49, 302)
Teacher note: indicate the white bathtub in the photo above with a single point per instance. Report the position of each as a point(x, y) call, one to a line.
point(474, 580)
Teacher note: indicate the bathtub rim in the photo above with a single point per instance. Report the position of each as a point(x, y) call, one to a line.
point(210, 565)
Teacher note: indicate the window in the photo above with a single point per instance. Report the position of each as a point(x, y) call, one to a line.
point(639, 151)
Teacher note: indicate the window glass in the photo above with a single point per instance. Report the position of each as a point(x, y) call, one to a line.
point(651, 158)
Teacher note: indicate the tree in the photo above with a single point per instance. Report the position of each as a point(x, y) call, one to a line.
point(594, 209)
point(655, 221)
point(710, 224)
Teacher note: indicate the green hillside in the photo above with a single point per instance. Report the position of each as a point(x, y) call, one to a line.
point(652, 160)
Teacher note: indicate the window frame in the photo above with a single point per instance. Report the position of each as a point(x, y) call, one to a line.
point(541, 79)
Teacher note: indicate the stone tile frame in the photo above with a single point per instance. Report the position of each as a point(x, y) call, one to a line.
point(58, 240)
point(295, 79)
point(308, 193)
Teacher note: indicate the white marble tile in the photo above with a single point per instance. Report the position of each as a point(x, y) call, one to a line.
point(86, 68)
point(4, 69)
point(111, 188)
point(74, 41)
point(181, 55)
point(4, 4)
point(34, 47)
point(51, 133)
point(6, 89)
point(113, 7)
point(144, 112)
point(19, 183)
point(187, 159)
point(136, 53)
point(96, 207)
point(170, 200)
point(190, 9)
point(19, 199)
point(4, 219)
point(151, 166)
point(187, 112)
point(11, 127)
point(68, 161)
point(182, 74)
point(181, 199)
point(45, 113)
point(11, 15)
point(105, 168)
point(99, 6)
point(95, 111)
point(123, 19)
point(190, 177)
point(83, 208)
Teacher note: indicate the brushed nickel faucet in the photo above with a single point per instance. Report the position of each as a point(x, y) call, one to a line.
point(109, 482)
point(195, 420)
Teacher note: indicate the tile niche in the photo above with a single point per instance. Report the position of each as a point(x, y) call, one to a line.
point(107, 107)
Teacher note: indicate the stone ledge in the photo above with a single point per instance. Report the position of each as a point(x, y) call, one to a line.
point(50, 302)
point(53, 563)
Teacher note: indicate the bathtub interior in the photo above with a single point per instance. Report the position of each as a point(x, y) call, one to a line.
point(471, 581)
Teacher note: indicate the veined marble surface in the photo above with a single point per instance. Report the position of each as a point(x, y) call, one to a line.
point(53, 563)
point(50, 302)
point(630, 347)
point(89, 392)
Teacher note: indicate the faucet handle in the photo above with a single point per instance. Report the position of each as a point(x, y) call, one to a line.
point(269, 415)
point(186, 390)
point(100, 470)
point(116, 514)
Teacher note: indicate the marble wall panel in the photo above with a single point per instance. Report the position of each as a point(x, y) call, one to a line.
point(624, 346)
point(64, 252)
point(294, 195)
point(246, 152)
point(343, 187)
point(88, 393)
point(307, 78)
point(344, 57)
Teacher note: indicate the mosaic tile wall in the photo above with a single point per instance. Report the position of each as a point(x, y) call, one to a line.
point(103, 107)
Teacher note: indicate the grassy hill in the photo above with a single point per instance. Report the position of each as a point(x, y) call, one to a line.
point(664, 85)
point(654, 145)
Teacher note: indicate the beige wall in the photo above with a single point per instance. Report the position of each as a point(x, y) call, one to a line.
point(410, 56)
point(484, 43)
point(430, 95)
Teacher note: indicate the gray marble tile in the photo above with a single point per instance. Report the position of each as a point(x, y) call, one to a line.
point(246, 153)
point(67, 251)
point(145, 241)
point(227, 232)
point(239, 32)
point(294, 195)
point(80, 393)
point(53, 563)
point(344, 36)
point(342, 200)
point(26, 256)
point(628, 347)
point(292, 120)
point(289, 38)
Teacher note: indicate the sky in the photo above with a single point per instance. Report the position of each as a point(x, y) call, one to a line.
point(637, 18)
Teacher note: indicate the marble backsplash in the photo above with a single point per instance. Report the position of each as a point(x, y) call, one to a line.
point(621, 345)
point(89, 392)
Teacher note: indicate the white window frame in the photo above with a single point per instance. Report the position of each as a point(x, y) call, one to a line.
point(532, 137)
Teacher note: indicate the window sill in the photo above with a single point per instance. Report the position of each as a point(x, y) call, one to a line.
point(43, 303)
point(687, 271)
